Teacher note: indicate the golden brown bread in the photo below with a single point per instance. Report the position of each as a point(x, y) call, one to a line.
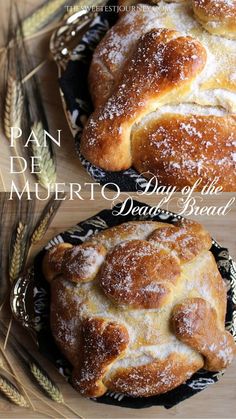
point(192, 239)
point(103, 342)
point(150, 279)
point(167, 147)
point(154, 378)
point(81, 263)
point(217, 17)
point(195, 323)
point(158, 73)
point(166, 102)
point(122, 320)
point(54, 259)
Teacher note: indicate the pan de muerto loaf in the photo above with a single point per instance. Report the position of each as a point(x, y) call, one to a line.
point(163, 84)
point(138, 308)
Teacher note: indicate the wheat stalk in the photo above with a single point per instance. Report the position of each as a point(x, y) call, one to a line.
point(41, 17)
point(47, 167)
point(2, 181)
point(45, 219)
point(42, 227)
point(11, 392)
point(40, 375)
point(9, 364)
point(34, 394)
point(49, 386)
point(34, 71)
point(18, 251)
point(8, 333)
point(13, 106)
point(13, 113)
point(46, 383)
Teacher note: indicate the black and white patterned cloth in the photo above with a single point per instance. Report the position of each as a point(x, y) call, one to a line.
point(79, 234)
point(74, 85)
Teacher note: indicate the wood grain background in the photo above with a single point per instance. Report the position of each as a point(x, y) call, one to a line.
point(69, 168)
point(218, 401)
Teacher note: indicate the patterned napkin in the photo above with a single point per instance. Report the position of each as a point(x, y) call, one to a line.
point(41, 325)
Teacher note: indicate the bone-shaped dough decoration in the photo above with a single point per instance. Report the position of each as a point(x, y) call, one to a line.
point(165, 99)
point(139, 309)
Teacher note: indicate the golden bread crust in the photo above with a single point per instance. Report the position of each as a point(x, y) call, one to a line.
point(102, 343)
point(151, 273)
point(167, 102)
point(111, 320)
point(195, 323)
point(166, 147)
point(187, 239)
point(82, 263)
point(170, 62)
point(54, 259)
point(155, 378)
point(217, 17)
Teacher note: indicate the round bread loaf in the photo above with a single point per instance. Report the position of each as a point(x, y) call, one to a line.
point(163, 84)
point(138, 308)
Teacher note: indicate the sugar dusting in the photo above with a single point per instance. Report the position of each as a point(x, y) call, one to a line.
point(153, 343)
point(179, 16)
point(84, 261)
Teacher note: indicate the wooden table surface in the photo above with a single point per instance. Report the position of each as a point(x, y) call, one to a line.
point(218, 401)
point(69, 168)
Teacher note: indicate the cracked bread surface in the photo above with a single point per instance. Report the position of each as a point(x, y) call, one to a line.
point(149, 318)
point(166, 98)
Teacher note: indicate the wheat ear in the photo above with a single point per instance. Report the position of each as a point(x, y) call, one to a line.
point(35, 394)
point(41, 229)
point(47, 167)
point(41, 17)
point(11, 392)
point(13, 106)
point(49, 386)
point(45, 219)
point(13, 113)
point(46, 383)
point(18, 252)
point(12, 369)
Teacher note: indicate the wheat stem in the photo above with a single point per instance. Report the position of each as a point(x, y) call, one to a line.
point(7, 334)
point(2, 181)
point(7, 360)
point(35, 394)
point(30, 37)
point(73, 411)
point(12, 369)
point(41, 17)
point(44, 413)
point(3, 56)
point(34, 71)
point(4, 302)
point(47, 384)
point(42, 32)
